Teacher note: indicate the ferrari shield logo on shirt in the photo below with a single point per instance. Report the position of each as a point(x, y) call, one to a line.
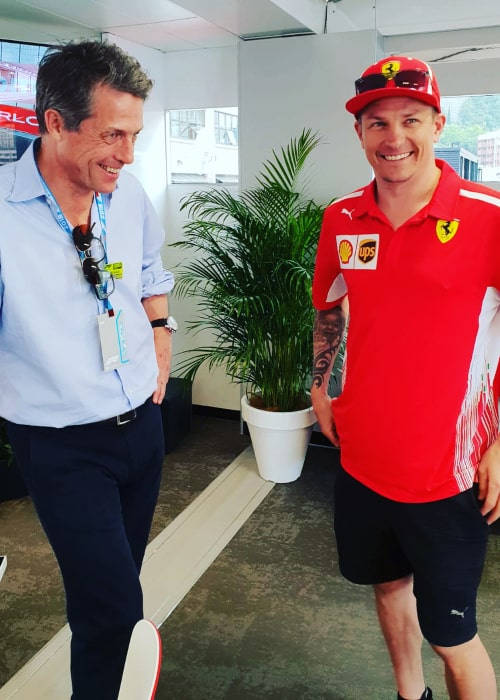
point(446, 229)
point(358, 252)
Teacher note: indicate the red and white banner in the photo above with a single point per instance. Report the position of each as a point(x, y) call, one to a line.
point(19, 119)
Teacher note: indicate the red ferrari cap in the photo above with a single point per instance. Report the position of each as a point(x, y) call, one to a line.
point(395, 76)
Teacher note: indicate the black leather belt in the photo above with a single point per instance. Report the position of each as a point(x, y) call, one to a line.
point(123, 419)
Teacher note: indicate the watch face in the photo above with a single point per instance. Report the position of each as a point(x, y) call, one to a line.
point(171, 323)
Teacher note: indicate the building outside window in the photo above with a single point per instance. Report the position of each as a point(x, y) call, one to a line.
point(18, 71)
point(226, 128)
point(186, 123)
point(203, 145)
point(471, 137)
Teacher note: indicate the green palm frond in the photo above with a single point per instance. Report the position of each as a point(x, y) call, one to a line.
point(250, 265)
point(284, 170)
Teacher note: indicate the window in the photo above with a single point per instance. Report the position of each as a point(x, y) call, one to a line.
point(186, 123)
point(471, 137)
point(20, 52)
point(226, 128)
point(18, 71)
point(203, 145)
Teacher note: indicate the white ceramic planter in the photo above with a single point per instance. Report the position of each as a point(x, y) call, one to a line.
point(279, 440)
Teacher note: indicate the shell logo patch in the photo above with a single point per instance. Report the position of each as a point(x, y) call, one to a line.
point(445, 230)
point(390, 69)
point(345, 251)
point(358, 252)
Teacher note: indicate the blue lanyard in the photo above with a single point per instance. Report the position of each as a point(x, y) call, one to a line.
point(64, 224)
point(102, 219)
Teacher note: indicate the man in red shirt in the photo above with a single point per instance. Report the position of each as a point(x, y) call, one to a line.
point(412, 258)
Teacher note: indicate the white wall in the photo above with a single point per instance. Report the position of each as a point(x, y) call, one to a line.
point(201, 78)
point(197, 79)
point(150, 157)
point(288, 84)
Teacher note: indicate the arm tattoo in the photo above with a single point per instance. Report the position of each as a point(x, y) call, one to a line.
point(328, 332)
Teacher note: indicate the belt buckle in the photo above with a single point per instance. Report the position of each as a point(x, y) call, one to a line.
point(131, 415)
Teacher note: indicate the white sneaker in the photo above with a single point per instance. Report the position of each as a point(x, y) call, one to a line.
point(3, 565)
point(142, 665)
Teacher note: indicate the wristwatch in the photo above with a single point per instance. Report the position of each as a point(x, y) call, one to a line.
point(169, 323)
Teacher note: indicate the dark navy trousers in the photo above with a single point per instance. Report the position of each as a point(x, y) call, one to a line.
point(95, 488)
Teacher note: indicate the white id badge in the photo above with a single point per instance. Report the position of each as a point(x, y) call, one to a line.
point(113, 341)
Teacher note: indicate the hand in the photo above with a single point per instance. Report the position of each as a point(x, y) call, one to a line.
point(163, 348)
point(489, 482)
point(322, 404)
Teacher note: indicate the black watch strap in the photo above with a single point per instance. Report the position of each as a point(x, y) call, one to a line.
point(169, 323)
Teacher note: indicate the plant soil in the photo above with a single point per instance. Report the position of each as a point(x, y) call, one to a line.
point(255, 400)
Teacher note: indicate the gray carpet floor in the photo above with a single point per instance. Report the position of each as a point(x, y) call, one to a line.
point(270, 619)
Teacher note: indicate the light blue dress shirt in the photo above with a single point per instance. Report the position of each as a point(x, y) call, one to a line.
point(51, 367)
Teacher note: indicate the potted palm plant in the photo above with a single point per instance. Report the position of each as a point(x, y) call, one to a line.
point(250, 266)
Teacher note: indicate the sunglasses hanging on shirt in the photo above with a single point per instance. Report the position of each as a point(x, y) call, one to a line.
point(93, 261)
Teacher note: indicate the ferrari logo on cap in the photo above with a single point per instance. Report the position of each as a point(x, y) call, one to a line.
point(446, 229)
point(390, 69)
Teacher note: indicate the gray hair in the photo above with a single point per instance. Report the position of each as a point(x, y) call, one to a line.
point(68, 75)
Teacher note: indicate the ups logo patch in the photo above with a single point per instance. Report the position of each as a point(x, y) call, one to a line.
point(367, 250)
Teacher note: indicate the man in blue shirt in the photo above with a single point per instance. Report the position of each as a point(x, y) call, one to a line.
point(85, 344)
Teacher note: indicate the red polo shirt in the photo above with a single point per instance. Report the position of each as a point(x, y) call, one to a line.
point(420, 404)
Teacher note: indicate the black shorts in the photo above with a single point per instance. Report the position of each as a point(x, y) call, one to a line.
point(442, 543)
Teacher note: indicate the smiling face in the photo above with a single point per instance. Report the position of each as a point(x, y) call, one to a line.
point(330, 324)
point(89, 160)
point(397, 135)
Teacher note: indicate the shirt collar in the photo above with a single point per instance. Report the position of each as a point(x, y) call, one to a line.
point(442, 205)
point(366, 203)
point(27, 181)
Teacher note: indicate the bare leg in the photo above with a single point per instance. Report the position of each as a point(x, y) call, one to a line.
point(397, 614)
point(468, 670)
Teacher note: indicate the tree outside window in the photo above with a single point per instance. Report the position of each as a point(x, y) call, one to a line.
point(473, 126)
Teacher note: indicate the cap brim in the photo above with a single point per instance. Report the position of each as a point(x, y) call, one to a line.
point(359, 102)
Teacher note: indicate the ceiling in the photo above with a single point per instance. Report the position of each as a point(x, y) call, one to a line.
point(194, 24)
